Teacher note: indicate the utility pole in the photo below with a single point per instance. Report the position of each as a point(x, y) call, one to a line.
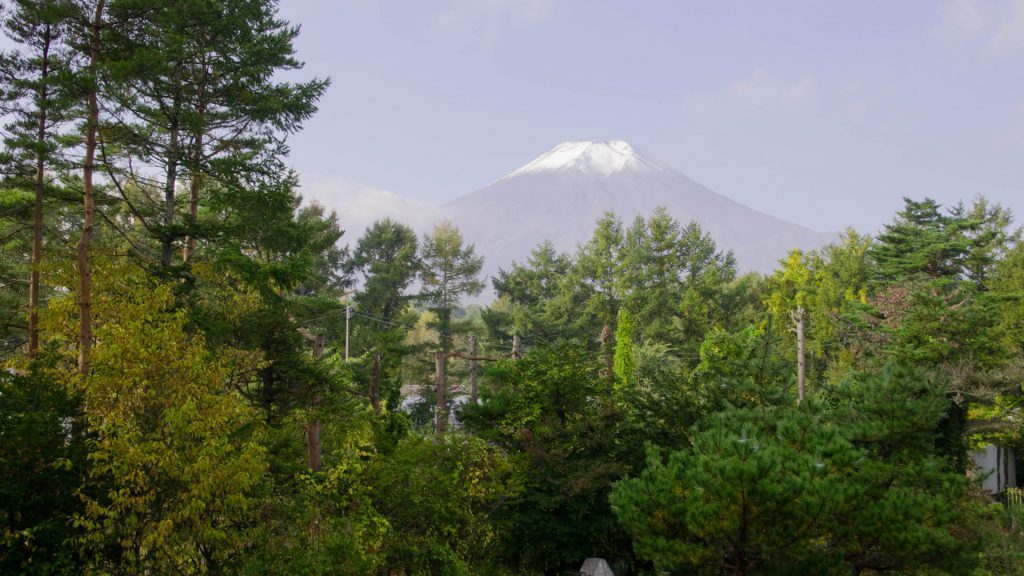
point(798, 319)
point(474, 369)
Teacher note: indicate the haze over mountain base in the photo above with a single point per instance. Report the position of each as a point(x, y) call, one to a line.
point(560, 195)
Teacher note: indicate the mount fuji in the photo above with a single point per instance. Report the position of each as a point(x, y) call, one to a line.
point(560, 195)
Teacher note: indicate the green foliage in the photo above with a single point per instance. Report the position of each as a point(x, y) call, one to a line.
point(385, 256)
point(554, 416)
point(671, 278)
point(741, 369)
point(624, 363)
point(184, 449)
point(386, 259)
point(42, 466)
point(176, 449)
point(15, 262)
point(194, 88)
point(441, 497)
point(803, 490)
point(450, 270)
point(538, 296)
point(920, 242)
point(318, 523)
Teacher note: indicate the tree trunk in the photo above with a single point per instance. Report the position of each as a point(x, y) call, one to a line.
point(88, 201)
point(375, 377)
point(167, 243)
point(474, 369)
point(195, 185)
point(441, 411)
point(314, 451)
point(607, 354)
point(37, 209)
point(517, 347)
point(798, 320)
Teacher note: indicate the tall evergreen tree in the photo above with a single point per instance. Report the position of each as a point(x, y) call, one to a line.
point(451, 269)
point(38, 97)
point(386, 258)
point(922, 242)
point(195, 97)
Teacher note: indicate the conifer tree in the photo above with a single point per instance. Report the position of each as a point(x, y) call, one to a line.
point(451, 269)
point(38, 97)
point(386, 258)
point(195, 98)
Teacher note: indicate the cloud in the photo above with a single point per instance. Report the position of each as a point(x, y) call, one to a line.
point(762, 86)
point(359, 206)
point(963, 18)
point(1009, 34)
point(763, 90)
point(482, 20)
point(998, 24)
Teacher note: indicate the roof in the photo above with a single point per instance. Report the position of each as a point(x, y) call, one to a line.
point(596, 567)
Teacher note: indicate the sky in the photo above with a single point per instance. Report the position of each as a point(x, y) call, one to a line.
point(822, 113)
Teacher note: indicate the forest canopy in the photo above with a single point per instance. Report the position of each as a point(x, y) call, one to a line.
point(203, 374)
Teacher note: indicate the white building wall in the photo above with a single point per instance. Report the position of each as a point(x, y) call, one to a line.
point(998, 463)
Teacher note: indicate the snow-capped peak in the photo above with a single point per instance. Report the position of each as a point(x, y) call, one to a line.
point(603, 157)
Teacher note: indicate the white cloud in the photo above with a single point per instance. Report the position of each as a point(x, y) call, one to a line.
point(998, 24)
point(476, 12)
point(482, 20)
point(963, 18)
point(358, 206)
point(763, 89)
point(1009, 33)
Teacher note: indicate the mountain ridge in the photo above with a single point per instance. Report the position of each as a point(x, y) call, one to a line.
point(560, 195)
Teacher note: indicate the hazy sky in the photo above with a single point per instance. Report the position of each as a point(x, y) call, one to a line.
point(824, 113)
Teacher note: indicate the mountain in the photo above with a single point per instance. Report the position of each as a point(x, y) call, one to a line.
point(561, 194)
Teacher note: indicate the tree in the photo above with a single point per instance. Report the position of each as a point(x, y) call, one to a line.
point(443, 501)
point(921, 242)
point(38, 98)
point(540, 292)
point(672, 278)
point(930, 313)
point(176, 450)
point(450, 270)
point(596, 265)
point(91, 42)
point(194, 96)
point(386, 258)
point(554, 416)
point(803, 490)
point(990, 239)
point(41, 469)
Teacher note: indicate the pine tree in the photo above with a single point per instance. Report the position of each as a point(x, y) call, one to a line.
point(194, 97)
point(451, 269)
point(386, 258)
point(805, 490)
point(38, 97)
point(922, 242)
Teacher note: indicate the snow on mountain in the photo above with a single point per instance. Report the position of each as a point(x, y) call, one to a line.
point(562, 193)
point(598, 157)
